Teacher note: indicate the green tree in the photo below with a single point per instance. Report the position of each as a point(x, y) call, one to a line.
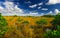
point(3, 25)
point(56, 21)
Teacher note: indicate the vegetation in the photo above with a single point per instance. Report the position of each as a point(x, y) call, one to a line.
point(40, 26)
point(48, 16)
point(56, 21)
point(3, 26)
point(55, 31)
point(30, 26)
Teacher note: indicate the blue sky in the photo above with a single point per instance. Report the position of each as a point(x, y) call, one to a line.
point(29, 7)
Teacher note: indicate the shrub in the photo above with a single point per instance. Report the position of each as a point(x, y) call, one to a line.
point(3, 25)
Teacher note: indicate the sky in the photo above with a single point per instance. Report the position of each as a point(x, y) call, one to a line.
point(29, 7)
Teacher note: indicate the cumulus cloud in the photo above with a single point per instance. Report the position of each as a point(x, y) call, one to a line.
point(35, 13)
point(30, 14)
point(1, 8)
point(33, 6)
point(44, 9)
point(50, 13)
point(56, 11)
point(10, 8)
point(53, 2)
point(40, 4)
point(39, 7)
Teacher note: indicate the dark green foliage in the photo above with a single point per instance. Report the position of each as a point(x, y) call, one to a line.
point(48, 16)
point(3, 25)
point(19, 20)
point(15, 15)
point(53, 33)
point(56, 21)
point(25, 22)
point(41, 22)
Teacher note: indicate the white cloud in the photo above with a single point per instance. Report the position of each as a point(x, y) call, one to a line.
point(30, 14)
point(28, 2)
point(39, 7)
point(50, 13)
point(40, 4)
point(53, 2)
point(33, 6)
point(42, 14)
point(34, 13)
point(1, 8)
point(10, 9)
point(18, 10)
point(44, 9)
point(56, 11)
